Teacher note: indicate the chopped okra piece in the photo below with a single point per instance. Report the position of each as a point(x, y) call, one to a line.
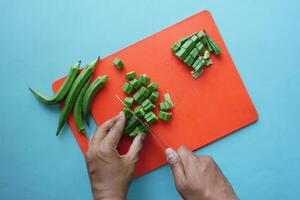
point(138, 130)
point(196, 74)
point(142, 128)
point(197, 61)
point(201, 35)
point(128, 101)
point(165, 105)
point(118, 63)
point(127, 113)
point(195, 39)
point(214, 46)
point(209, 47)
point(127, 88)
point(194, 53)
point(200, 46)
point(152, 86)
point(203, 38)
point(131, 124)
point(144, 79)
point(188, 45)
point(135, 132)
point(182, 53)
point(184, 39)
point(201, 60)
point(199, 67)
point(130, 75)
point(150, 117)
point(208, 62)
point(206, 55)
point(147, 114)
point(141, 99)
point(135, 83)
point(164, 115)
point(189, 60)
point(139, 111)
point(145, 92)
point(139, 96)
point(167, 98)
point(146, 102)
point(175, 47)
point(154, 96)
point(148, 105)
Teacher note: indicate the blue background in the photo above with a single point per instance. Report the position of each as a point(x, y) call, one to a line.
point(39, 39)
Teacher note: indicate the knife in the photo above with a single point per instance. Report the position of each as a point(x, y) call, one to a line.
point(161, 142)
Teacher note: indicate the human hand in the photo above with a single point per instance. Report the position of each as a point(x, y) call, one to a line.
point(198, 177)
point(111, 173)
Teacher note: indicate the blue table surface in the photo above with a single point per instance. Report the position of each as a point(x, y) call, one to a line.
point(39, 39)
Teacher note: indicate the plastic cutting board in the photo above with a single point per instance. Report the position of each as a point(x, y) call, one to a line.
point(206, 109)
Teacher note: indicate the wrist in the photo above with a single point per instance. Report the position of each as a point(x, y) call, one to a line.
point(104, 197)
point(109, 195)
point(110, 198)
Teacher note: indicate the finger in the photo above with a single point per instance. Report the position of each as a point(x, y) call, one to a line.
point(113, 137)
point(102, 130)
point(185, 154)
point(176, 165)
point(90, 140)
point(207, 161)
point(136, 147)
point(189, 160)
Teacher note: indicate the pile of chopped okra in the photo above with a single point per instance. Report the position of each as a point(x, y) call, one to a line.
point(142, 97)
point(194, 50)
point(77, 92)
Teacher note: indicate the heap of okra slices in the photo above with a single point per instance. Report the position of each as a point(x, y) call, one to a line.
point(142, 96)
point(78, 93)
point(194, 50)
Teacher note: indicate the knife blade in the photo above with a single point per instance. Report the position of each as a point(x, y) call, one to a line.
point(146, 125)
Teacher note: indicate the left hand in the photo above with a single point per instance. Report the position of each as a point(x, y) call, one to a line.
point(111, 173)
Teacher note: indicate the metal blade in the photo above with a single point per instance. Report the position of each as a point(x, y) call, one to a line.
point(144, 124)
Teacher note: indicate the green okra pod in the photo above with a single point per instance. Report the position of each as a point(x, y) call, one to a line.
point(63, 90)
point(77, 111)
point(90, 93)
point(166, 116)
point(74, 91)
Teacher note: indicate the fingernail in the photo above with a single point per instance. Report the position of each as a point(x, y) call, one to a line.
point(120, 115)
point(169, 152)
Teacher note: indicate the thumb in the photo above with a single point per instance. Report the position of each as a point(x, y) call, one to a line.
point(176, 165)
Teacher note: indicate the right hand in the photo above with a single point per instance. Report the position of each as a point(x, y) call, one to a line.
point(198, 177)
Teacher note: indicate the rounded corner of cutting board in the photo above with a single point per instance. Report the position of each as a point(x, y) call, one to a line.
point(207, 12)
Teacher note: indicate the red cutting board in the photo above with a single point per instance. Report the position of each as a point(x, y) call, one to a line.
point(205, 110)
